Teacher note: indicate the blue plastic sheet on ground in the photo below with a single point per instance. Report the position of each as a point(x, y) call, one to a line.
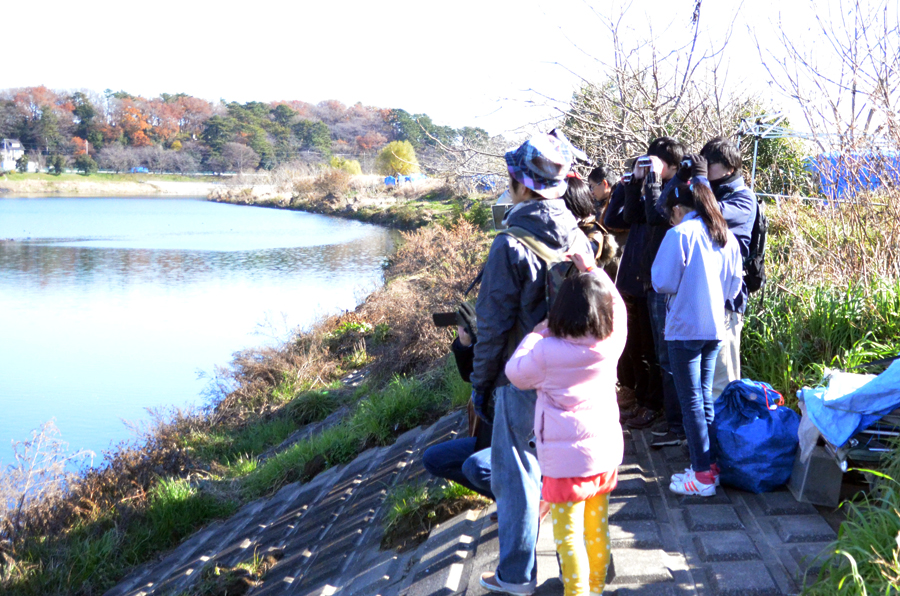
point(755, 441)
point(840, 418)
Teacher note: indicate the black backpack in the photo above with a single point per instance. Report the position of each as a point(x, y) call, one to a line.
point(755, 263)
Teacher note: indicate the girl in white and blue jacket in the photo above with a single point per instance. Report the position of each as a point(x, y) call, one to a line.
point(699, 267)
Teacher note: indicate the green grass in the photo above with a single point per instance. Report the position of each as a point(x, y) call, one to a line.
point(92, 556)
point(224, 445)
point(791, 335)
point(413, 509)
point(865, 557)
point(403, 404)
point(407, 500)
point(312, 406)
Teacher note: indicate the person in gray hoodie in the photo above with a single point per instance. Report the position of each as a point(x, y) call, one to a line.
point(513, 300)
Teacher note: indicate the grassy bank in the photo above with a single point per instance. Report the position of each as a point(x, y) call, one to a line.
point(363, 198)
point(103, 184)
point(865, 558)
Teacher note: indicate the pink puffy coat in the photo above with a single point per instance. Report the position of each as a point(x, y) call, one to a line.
point(576, 418)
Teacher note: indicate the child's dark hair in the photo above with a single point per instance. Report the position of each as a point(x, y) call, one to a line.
point(721, 150)
point(667, 149)
point(583, 307)
point(578, 199)
point(600, 173)
point(701, 199)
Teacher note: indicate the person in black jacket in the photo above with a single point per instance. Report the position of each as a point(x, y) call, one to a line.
point(466, 461)
point(645, 187)
point(665, 161)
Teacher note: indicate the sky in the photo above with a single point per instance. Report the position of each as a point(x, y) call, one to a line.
point(484, 63)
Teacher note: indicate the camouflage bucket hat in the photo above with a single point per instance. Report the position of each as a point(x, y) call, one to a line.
point(542, 163)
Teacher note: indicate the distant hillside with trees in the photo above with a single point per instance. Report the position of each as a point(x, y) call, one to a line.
point(180, 133)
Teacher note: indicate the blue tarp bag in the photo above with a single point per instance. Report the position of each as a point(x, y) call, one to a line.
point(755, 436)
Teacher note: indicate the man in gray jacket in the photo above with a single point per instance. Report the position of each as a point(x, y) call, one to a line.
point(512, 300)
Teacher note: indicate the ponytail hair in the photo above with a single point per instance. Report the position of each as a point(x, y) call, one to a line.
point(701, 199)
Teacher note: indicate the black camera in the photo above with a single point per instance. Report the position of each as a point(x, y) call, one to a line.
point(687, 163)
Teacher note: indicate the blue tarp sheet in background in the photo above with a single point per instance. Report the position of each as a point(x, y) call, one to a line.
point(393, 181)
point(841, 418)
point(843, 175)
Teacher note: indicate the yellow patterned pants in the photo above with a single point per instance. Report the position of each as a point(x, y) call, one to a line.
point(581, 532)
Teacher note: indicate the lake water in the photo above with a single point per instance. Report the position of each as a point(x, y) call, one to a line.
point(109, 306)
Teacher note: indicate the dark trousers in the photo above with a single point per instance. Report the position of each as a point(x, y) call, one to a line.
point(638, 364)
point(458, 460)
point(657, 305)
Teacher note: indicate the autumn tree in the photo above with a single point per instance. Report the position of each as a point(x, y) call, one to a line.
point(79, 146)
point(135, 124)
point(370, 141)
point(398, 157)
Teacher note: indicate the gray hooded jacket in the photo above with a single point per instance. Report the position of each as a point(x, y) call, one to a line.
point(512, 298)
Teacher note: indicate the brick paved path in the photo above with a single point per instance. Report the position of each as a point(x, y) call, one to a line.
point(329, 531)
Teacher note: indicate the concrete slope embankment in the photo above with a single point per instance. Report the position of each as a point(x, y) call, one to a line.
point(327, 535)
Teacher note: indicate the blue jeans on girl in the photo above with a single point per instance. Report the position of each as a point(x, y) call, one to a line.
point(693, 365)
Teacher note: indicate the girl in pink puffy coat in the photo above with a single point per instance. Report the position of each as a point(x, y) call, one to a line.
point(571, 360)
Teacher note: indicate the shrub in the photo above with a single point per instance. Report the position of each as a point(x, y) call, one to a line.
point(478, 213)
point(351, 166)
point(57, 164)
point(398, 157)
point(312, 406)
point(86, 164)
point(792, 334)
point(333, 182)
point(865, 558)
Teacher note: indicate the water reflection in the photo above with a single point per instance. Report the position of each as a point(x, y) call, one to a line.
point(48, 266)
point(97, 325)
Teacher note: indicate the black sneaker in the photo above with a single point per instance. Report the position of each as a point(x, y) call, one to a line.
point(669, 439)
point(645, 418)
point(625, 415)
point(660, 429)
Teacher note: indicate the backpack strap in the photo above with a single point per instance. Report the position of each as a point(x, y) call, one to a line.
point(548, 255)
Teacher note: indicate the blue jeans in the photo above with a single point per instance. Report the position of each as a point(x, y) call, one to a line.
point(458, 461)
point(516, 482)
point(657, 304)
point(693, 366)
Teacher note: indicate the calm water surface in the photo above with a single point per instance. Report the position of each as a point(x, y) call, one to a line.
point(111, 306)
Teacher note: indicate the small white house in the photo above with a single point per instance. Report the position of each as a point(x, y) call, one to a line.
point(10, 151)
